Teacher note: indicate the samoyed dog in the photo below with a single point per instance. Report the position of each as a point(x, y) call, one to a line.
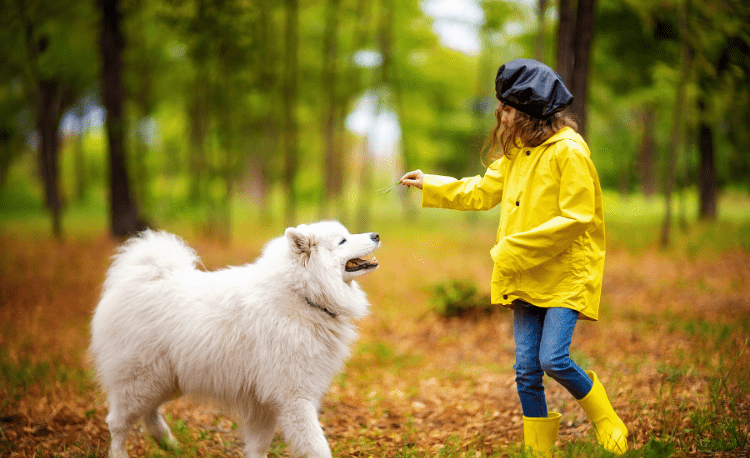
point(262, 340)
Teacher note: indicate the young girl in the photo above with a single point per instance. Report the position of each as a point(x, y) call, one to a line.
point(549, 252)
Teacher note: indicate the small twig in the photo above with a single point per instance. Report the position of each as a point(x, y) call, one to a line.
point(387, 189)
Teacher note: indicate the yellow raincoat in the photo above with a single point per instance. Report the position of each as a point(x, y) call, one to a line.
point(549, 249)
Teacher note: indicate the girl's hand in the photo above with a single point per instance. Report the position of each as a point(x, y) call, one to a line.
point(414, 178)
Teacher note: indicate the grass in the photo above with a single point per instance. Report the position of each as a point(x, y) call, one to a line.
point(17, 376)
point(633, 221)
point(716, 425)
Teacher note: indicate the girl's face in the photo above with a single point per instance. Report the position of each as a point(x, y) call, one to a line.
point(507, 115)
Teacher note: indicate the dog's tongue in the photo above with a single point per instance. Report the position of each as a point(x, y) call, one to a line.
point(360, 263)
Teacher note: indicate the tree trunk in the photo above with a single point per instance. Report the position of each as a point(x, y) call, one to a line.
point(675, 135)
point(270, 134)
point(144, 101)
point(364, 201)
point(228, 135)
point(5, 158)
point(356, 80)
point(333, 170)
point(385, 36)
point(289, 109)
point(198, 119)
point(574, 38)
point(584, 31)
point(270, 126)
point(79, 158)
point(49, 112)
point(124, 217)
point(407, 161)
point(539, 46)
point(565, 38)
point(647, 156)
point(707, 171)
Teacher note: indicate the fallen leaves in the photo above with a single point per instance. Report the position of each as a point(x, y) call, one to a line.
point(670, 330)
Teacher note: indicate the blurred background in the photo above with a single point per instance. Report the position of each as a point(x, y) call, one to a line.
point(117, 114)
point(225, 121)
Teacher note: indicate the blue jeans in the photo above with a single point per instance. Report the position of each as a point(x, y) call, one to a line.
point(542, 345)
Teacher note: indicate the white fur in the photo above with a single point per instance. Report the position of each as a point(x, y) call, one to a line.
point(244, 337)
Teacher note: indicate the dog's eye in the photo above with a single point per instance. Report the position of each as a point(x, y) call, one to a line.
point(343, 241)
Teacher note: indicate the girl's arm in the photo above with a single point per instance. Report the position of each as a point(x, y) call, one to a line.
point(475, 193)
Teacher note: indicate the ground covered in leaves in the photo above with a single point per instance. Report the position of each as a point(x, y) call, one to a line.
point(670, 348)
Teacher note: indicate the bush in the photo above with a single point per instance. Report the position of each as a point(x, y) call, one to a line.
point(459, 297)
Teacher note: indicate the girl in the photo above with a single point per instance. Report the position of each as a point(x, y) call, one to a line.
point(549, 251)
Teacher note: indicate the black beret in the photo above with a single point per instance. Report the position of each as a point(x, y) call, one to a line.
point(531, 87)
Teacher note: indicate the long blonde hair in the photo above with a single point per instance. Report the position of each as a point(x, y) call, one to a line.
point(526, 131)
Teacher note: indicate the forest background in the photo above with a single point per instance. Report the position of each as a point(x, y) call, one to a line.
point(226, 121)
point(315, 105)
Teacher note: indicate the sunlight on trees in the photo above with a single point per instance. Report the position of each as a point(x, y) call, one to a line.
point(230, 98)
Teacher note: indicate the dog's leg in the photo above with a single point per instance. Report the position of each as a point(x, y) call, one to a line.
point(302, 431)
point(258, 430)
point(138, 396)
point(119, 420)
point(160, 431)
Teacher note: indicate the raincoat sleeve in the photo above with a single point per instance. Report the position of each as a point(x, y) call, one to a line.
point(524, 250)
point(475, 193)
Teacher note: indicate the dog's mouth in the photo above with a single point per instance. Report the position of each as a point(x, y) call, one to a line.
point(357, 264)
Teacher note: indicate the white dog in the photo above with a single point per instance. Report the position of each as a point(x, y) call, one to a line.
point(263, 340)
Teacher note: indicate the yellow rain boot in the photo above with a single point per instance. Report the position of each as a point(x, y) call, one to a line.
point(611, 432)
point(539, 434)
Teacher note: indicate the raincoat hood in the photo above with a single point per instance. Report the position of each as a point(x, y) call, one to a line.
point(531, 87)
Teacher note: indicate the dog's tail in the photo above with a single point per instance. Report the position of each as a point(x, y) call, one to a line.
point(150, 255)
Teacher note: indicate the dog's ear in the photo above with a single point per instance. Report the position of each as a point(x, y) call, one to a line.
point(300, 243)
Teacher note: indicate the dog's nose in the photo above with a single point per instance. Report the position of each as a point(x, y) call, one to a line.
point(375, 237)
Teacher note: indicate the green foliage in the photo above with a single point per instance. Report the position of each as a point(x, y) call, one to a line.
point(17, 375)
point(629, 83)
point(457, 297)
point(634, 221)
point(206, 77)
point(383, 355)
point(20, 198)
point(41, 41)
point(655, 448)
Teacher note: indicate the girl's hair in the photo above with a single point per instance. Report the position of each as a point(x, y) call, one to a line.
point(526, 131)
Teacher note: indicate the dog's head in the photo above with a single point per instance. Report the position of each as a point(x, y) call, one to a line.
point(328, 247)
